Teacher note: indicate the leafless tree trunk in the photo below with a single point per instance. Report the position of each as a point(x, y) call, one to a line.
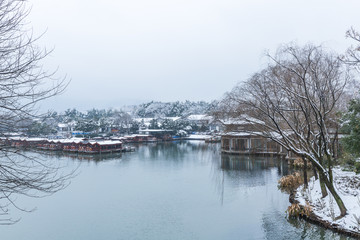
point(305, 172)
point(294, 102)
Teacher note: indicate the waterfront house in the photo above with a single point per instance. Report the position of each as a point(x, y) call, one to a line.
point(240, 137)
point(158, 134)
point(249, 143)
point(99, 146)
point(199, 119)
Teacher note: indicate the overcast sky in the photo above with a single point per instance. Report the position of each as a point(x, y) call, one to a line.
point(120, 52)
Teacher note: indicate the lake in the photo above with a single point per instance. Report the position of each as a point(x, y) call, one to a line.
point(173, 190)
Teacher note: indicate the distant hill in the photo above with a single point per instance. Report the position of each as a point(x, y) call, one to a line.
point(171, 109)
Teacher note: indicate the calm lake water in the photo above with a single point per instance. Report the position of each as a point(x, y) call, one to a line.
point(180, 190)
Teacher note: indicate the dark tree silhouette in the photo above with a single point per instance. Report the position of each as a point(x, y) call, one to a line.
point(23, 83)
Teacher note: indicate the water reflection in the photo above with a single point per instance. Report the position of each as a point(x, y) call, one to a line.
point(248, 171)
point(172, 190)
point(253, 164)
point(174, 151)
point(76, 156)
point(252, 172)
point(295, 229)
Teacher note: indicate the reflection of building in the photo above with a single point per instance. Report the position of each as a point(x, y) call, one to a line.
point(252, 164)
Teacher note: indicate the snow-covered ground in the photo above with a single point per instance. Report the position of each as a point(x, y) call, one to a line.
point(198, 137)
point(347, 185)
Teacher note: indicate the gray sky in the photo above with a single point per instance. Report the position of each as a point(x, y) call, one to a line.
point(123, 52)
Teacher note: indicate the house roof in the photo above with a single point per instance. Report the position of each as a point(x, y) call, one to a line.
point(242, 120)
point(199, 117)
point(107, 142)
point(241, 134)
point(172, 118)
point(155, 130)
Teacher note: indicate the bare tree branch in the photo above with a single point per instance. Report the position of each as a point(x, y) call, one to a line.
point(23, 83)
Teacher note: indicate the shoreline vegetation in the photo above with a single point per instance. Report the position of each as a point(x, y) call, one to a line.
point(307, 202)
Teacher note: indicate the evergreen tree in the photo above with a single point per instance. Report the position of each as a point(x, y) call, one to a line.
point(351, 126)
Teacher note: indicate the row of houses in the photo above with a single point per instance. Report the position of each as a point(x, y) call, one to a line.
point(67, 145)
point(81, 145)
point(68, 129)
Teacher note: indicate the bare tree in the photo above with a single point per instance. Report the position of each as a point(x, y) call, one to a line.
point(294, 102)
point(122, 120)
point(23, 83)
point(352, 56)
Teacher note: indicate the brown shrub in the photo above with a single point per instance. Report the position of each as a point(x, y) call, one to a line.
point(290, 182)
point(295, 210)
point(299, 163)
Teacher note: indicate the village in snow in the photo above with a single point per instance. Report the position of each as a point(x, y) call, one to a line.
point(108, 131)
point(199, 120)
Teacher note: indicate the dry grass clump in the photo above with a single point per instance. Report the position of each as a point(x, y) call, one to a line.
point(295, 210)
point(299, 163)
point(290, 182)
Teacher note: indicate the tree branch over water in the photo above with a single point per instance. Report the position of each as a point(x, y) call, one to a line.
point(295, 102)
point(23, 83)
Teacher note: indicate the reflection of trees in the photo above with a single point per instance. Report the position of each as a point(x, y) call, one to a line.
point(244, 171)
point(252, 163)
point(176, 151)
point(306, 230)
point(30, 175)
point(275, 223)
point(249, 170)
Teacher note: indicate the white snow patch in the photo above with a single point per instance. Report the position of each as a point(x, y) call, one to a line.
point(347, 185)
point(198, 137)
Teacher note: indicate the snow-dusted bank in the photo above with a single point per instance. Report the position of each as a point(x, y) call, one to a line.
point(325, 210)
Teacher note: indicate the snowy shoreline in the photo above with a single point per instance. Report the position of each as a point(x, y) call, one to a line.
point(325, 210)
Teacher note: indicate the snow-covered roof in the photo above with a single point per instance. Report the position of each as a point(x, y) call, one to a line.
point(241, 134)
point(154, 130)
point(272, 135)
point(172, 118)
point(35, 139)
point(198, 137)
point(11, 134)
point(71, 140)
point(62, 125)
point(117, 138)
point(199, 117)
point(146, 120)
point(107, 142)
point(136, 135)
point(242, 120)
point(17, 138)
